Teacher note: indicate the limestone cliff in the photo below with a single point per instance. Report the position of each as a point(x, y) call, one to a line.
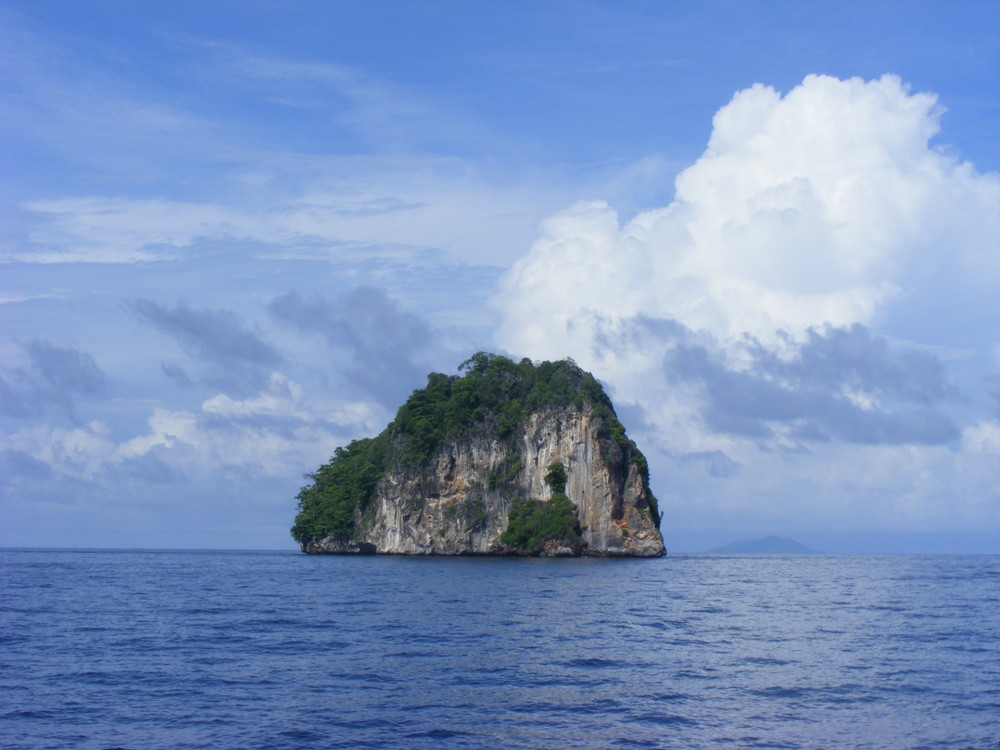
point(509, 459)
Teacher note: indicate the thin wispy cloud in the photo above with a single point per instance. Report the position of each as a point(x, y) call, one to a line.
point(373, 333)
point(840, 384)
point(236, 357)
point(52, 378)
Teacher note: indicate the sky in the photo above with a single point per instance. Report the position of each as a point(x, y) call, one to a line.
point(236, 235)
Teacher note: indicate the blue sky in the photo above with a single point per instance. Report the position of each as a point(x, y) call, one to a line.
point(234, 236)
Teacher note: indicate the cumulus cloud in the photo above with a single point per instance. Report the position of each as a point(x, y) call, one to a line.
point(746, 307)
point(225, 463)
point(381, 341)
point(274, 432)
point(982, 437)
point(78, 452)
point(806, 209)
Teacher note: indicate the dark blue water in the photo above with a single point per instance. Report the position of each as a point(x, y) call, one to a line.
point(279, 650)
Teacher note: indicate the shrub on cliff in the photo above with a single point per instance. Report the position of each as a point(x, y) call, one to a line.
point(556, 477)
point(532, 522)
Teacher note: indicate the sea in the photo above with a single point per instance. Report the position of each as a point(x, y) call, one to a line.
point(137, 649)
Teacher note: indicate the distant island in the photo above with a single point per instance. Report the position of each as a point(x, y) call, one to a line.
point(768, 545)
point(511, 458)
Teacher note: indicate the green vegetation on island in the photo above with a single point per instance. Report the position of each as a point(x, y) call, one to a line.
point(494, 397)
point(532, 522)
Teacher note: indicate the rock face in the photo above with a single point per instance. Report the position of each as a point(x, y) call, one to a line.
point(458, 500)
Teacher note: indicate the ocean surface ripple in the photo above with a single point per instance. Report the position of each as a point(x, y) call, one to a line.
point(208, 649)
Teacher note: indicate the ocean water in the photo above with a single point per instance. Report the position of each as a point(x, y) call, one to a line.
point(166, 649)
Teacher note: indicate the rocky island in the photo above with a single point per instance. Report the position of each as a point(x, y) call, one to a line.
point(508, 459)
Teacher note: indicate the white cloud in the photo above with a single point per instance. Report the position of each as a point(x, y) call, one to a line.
point(282, 399)
point(123, 230)
point(273, 433)
point(79, 452)
point(903, 488)
point(742, 323)
point(982, 437)
point(416, 209)
point(804, 210)
point(167, 429)
point(276, 433)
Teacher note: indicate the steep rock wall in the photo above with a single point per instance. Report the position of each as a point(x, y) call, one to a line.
point(460, 501)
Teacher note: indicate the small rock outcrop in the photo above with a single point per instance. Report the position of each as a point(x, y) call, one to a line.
point(509, 459)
